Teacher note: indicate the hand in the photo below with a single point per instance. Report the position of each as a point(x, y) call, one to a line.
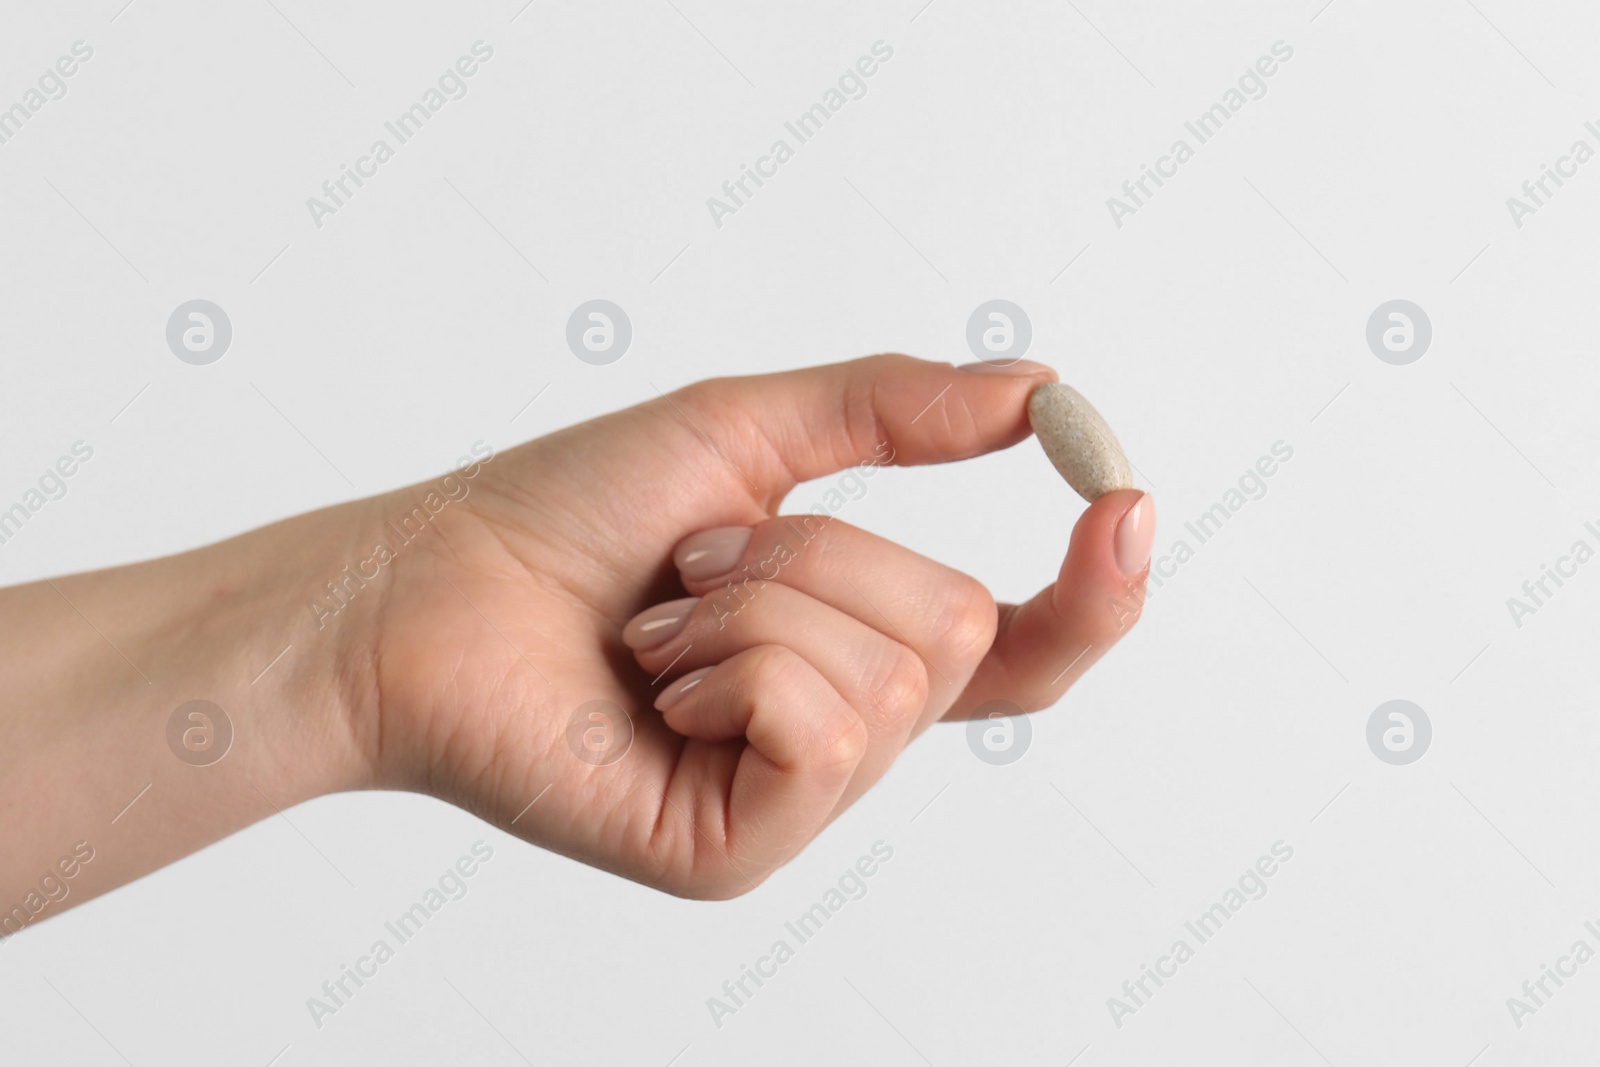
point(456, 638)
point(803, 658)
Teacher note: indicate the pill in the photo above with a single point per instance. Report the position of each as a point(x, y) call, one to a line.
point(1078, 441)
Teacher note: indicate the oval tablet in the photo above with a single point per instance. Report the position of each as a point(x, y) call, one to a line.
point(1078, 441)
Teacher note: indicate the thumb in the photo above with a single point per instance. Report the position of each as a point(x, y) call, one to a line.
point(786, 428)
point(1043, 646)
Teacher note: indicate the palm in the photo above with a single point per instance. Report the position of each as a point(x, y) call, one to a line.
point(506, 624)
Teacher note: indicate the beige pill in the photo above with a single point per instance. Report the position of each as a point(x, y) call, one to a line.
point(1078, 441)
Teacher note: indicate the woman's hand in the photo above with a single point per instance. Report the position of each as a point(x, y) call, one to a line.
point(620, 628)
point(608, 641)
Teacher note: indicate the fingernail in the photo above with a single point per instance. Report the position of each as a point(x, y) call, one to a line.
point(710, 553)
point(1017, 368)
point(1136, 532)
point(658, 625)
point(680, 689)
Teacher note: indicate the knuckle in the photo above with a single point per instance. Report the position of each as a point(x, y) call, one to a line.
point(840, 740)
point(712, 415)
point(832, 738)
point(965, 623)
point(707, 394)
point(900, 690)
point(770, 668)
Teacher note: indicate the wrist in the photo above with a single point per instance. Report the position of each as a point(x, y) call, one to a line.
point(232, 624)
point(158, 707)
point(292, 629)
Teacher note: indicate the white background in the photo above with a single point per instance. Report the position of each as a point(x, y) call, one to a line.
point(1227, 315)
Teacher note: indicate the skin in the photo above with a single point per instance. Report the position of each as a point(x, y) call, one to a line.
point(457, 670)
